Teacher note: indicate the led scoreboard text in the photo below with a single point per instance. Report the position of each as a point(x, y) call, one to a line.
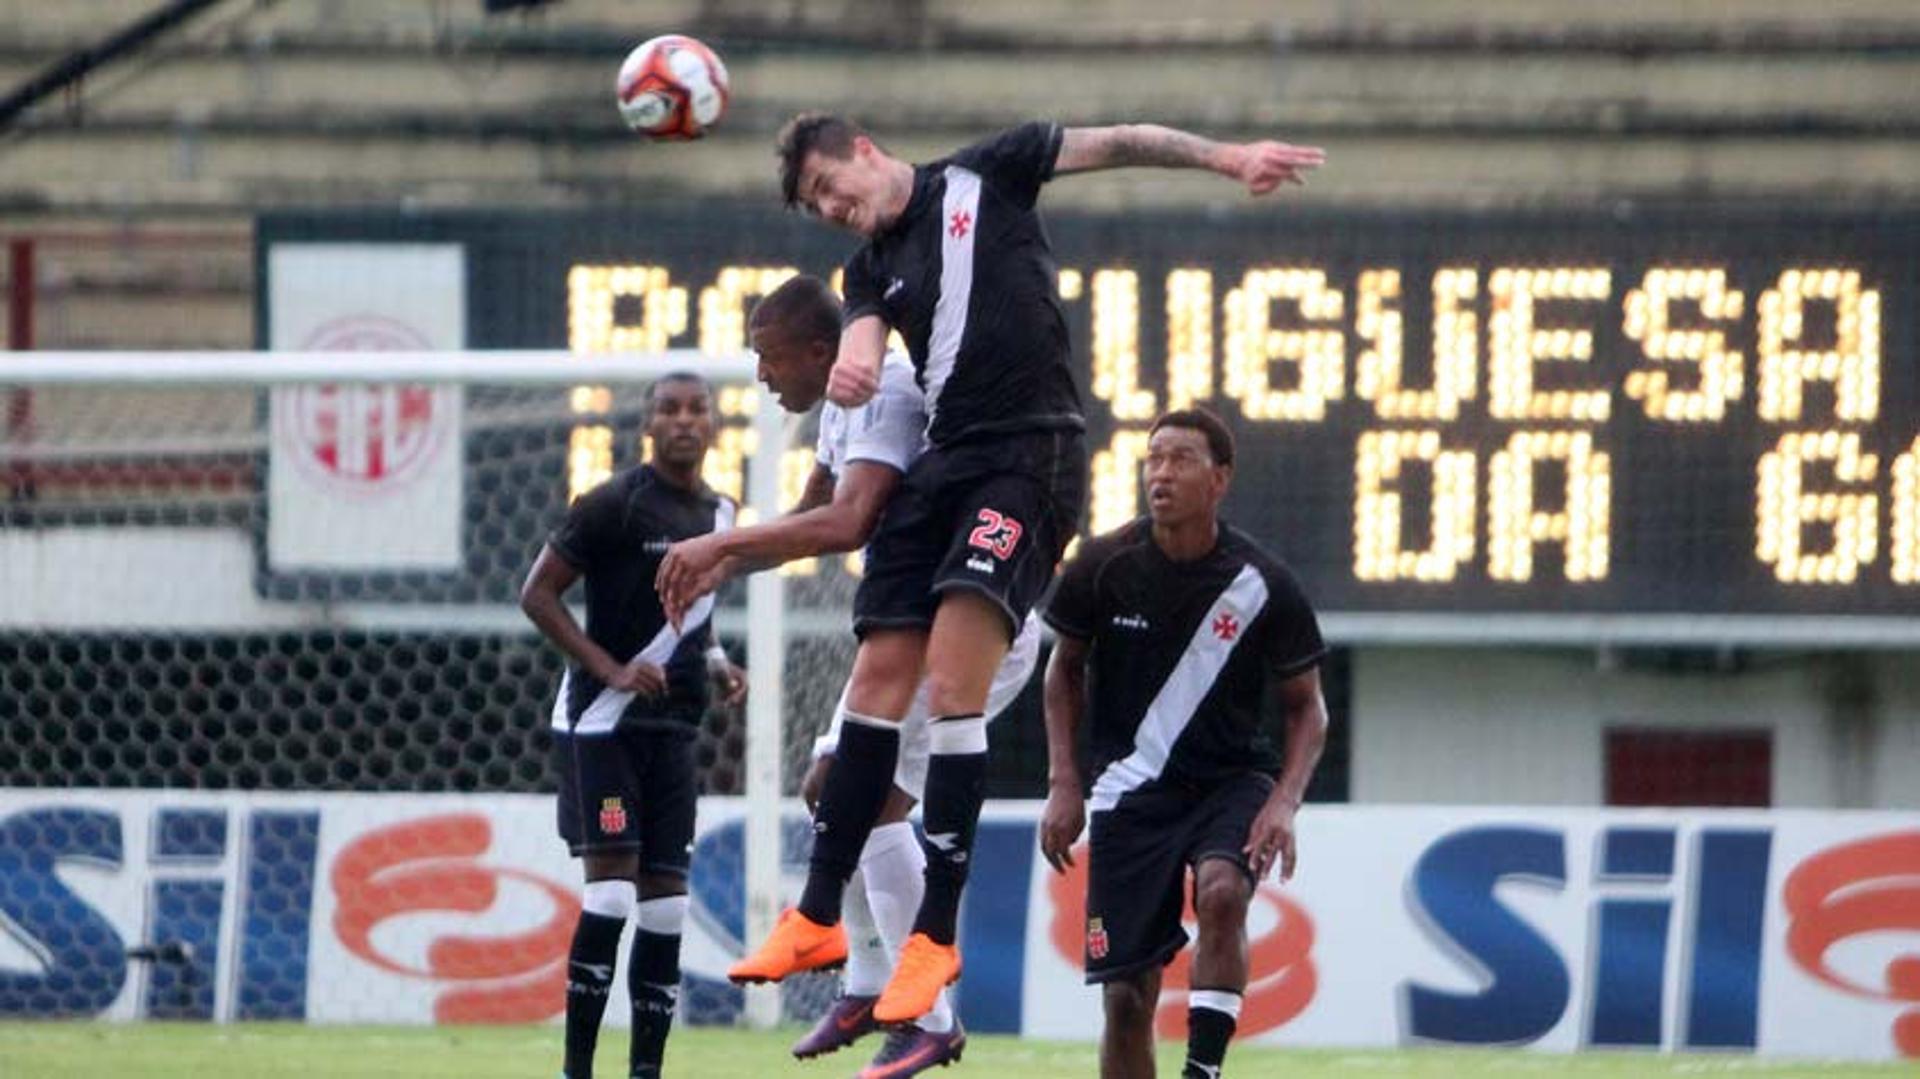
point(1677, 412)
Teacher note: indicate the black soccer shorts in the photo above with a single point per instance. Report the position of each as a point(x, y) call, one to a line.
point(990, 515)
point(630, 790)
point(1137, 859)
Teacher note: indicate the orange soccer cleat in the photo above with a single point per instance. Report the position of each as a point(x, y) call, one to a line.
point(797, 944)
point(924, 969)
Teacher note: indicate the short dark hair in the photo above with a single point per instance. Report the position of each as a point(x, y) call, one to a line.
point(804, 305)
point(1205, 421)
point(646, 416)
point(812, 133)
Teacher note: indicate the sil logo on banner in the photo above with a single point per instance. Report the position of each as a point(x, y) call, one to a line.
point(432, 864)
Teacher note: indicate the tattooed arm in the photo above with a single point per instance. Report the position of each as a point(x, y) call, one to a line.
point(1262, 166)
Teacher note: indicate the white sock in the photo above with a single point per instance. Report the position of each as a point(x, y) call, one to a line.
point(958, 736)
point(1224, 1001)
point(868, 964)
point(608, 898)
point(895, 870)
point(664, 916)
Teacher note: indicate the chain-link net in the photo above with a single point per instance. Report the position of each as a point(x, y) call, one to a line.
point(189, 655)
point(160, 639)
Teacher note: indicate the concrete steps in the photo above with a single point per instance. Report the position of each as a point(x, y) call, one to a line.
point(307, 90)
point(537, 94)
point(1430, 103)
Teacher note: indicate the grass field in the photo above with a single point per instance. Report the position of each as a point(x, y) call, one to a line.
point(63, 1050)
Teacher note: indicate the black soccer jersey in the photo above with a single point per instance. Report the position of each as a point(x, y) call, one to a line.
point(1181, 654)
point(968, 278)
point(616, 535)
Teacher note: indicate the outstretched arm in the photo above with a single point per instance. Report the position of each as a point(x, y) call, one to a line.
point(843, 524)
point(695, 567)
point(1262, 166)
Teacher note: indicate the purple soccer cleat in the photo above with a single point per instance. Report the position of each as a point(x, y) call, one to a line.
point(849, 1020)
point(910, 1051)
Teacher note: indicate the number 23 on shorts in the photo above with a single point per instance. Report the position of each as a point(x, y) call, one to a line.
point(997, 534)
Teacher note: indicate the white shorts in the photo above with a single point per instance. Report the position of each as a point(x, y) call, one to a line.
point(916, 738)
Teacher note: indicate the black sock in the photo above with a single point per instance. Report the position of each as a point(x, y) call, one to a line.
point(855, 792)
point(596, 948)
point(1208, 1032)
point(956, 785)
point(653, 981)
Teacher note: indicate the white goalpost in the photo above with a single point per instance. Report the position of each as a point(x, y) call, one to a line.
point(96, 411)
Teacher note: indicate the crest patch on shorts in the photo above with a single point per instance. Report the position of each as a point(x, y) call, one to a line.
point(1096, 938)
point(613, 816)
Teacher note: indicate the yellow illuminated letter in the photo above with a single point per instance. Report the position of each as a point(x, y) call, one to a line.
point(1116, 345)
point(796, 467)
point(1377, 518)
point(1906, 516)
point(1515, 344)
point(725, 469)
point(1788, 363)
point(592, 295)
point(1189, 337)
point(592, 292)
point(1515, 525)
point(723, 305)
point(589, 458)
point(1380, 371)
point(1115, 498)
point(1253, 345)
point(1720, 377)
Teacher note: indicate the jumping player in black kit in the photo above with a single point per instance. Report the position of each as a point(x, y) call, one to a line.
point(1170, 632)
point(625, 717)
point(956, 260)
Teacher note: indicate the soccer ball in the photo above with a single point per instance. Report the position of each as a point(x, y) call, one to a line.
point(672, 87)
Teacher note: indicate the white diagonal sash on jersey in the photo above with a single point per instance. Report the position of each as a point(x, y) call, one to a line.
point(956, 280)
point(603, 714)
point(1180, 695)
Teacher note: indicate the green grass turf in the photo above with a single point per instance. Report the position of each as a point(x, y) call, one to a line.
point(194, 1051)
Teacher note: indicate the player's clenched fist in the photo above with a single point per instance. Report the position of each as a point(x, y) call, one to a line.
point(853, 381)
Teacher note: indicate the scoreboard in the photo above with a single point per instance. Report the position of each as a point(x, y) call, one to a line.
point(1669, 424)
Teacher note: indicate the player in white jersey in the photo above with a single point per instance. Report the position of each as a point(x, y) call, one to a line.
point(859, 458)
